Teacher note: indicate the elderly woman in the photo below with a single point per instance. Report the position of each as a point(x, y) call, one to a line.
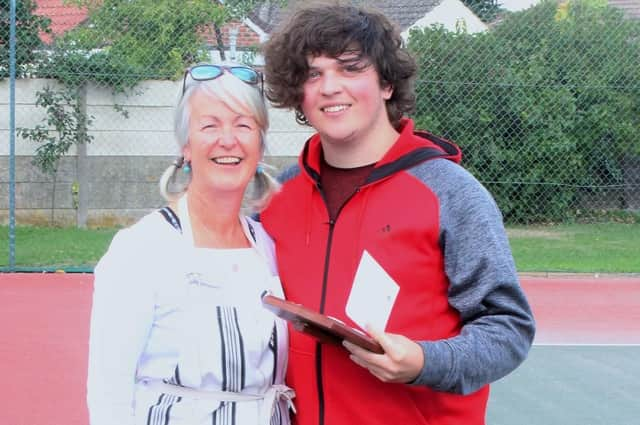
point(178, 332)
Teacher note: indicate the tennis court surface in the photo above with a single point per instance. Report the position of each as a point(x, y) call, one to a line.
point(584, 368)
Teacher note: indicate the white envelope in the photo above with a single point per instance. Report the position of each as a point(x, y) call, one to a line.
point(372, 296)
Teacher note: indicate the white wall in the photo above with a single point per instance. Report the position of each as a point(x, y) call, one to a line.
point(147, 132)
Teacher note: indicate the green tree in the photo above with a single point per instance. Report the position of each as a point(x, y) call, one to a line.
point(121, 43)
point(63, 127)
point(544, 117)
point(66, 124)
point(28, 43)
point(124, 42)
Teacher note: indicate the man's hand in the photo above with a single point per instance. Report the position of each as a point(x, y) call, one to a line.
point(401, 362)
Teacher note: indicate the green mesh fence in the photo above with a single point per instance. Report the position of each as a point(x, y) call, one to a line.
point(545, 105)
point(545, 102)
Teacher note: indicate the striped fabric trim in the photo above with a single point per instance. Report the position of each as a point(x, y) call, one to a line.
point(225, 415)
point(233, 362)
point(159, 413)
point(276, 418)
point(252, 231)
point(176, 377)
point(273, 347)
point(171, 218)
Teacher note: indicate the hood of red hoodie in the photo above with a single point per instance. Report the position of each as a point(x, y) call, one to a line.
point(411, 148)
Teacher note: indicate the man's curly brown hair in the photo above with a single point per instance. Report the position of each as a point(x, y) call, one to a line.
point(332, 30)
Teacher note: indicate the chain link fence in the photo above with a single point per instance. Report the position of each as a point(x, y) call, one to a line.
point(545, 103)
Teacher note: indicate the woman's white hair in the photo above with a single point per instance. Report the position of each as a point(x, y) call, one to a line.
point(240, 97)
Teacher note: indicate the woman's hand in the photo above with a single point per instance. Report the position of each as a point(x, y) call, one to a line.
point(401, 362)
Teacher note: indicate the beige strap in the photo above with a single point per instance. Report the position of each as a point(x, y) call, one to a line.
point(271, 396)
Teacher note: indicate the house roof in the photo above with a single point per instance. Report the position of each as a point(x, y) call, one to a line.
point(631, 8)
point(266, 17)
point(403, 12)
point(63, 17)
point(269, 15)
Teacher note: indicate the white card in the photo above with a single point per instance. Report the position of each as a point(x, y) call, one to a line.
point(372, 296)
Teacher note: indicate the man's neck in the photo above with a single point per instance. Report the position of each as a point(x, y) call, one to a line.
point(339, 184)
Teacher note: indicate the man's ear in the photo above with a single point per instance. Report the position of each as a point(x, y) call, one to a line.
point(387, 90)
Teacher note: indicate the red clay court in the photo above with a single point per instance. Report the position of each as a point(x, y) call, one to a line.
point(583, 324)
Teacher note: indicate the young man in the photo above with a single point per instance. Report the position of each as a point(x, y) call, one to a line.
point(368, 182)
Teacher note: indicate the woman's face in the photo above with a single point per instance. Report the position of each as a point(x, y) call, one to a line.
point(224, 146)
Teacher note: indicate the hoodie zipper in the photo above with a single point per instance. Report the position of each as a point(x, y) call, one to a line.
point(331, 223)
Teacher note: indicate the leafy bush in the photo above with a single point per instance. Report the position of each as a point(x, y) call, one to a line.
point(126, 42)
point(543, 116)
point(28, 27)
point(65, 125)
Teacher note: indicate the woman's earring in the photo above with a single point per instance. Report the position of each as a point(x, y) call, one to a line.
point(186, 168)
point(259, 169)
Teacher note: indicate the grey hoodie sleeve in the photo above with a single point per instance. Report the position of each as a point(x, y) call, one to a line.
point(498, 326)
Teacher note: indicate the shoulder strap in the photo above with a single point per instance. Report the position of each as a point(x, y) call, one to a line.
point(251, 230)
point(171, 218)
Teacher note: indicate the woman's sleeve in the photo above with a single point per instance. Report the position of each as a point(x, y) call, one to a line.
point(121, 317)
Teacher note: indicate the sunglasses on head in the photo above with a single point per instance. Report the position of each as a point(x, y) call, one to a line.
point(211, 72)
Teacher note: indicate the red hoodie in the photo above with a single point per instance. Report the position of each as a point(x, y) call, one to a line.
point(395, 217)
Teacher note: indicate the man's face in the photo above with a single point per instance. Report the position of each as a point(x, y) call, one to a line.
point(343, 99)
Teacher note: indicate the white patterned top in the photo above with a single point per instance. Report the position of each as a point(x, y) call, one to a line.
point(164, 310)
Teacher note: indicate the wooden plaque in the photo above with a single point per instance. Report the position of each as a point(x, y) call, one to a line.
point(324, 328)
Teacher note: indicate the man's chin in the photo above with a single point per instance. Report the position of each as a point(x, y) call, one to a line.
point(337, 137)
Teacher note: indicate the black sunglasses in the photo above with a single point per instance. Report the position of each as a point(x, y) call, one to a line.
point(211, 72)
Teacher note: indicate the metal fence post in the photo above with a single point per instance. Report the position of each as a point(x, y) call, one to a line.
point(82, 166)
point(12, 137)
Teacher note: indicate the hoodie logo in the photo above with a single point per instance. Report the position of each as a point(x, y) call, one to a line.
point(386, 229)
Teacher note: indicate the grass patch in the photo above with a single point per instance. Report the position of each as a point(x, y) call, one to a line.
point(55, 246)
point(580, 248)
point(577, 248)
